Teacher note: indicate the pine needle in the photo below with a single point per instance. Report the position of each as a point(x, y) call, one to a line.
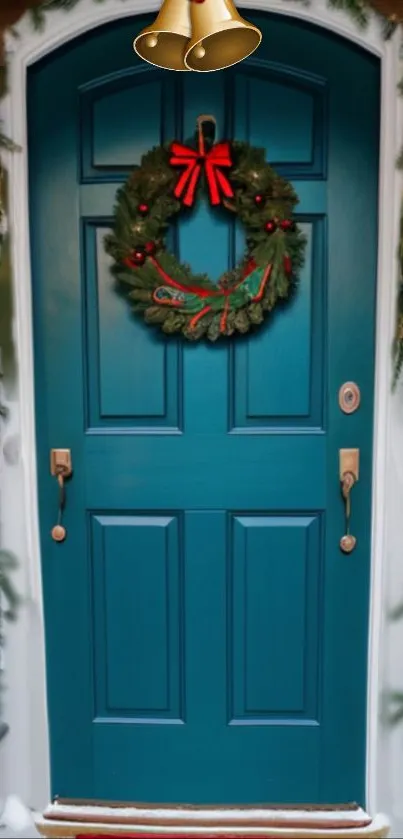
point(397, 613)
point(359, 10)
point(8, 562)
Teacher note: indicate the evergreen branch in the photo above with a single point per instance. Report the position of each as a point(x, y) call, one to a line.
point(398, 342)
point(38, 12)
point(359, 10)
point(397, 613)
point(38, 18)
point(8, 144)
point(396, 716)
point(398, 350)
point(8, 563)
point(388, 27)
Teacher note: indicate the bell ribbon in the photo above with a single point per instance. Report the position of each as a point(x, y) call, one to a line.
point(194, 160)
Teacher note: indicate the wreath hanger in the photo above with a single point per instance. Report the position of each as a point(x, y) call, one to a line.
point(208, 158)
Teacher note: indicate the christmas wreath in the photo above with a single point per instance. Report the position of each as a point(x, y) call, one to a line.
point(167, 183)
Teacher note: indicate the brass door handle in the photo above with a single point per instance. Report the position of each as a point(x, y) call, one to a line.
point(349, 473)
point(347, 483)
point(61, 468)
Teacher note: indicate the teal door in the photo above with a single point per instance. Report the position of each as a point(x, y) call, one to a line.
point(206, 638)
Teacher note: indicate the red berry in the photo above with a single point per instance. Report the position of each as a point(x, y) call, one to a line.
point(259, 199)
point(150, 248)
point(138, 257)
point(270, 226)
point(143, 209)
point(287, 264)
point(287, 225)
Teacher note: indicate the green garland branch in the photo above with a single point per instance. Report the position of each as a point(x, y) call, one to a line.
point(359, 10)
point(9, 598)
point(398, 344)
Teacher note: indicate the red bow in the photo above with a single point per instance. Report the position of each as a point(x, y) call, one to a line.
point(193, 160)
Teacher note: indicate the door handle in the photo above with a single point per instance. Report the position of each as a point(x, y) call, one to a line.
point(349, 474)
point(61, 467)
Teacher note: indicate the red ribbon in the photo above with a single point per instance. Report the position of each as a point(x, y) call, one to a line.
point(194, 160)
point(198, 290)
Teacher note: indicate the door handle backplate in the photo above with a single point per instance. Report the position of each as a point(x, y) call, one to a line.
point(349, 463)
point(61, 463)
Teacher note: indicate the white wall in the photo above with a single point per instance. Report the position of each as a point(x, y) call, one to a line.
point(390, 756)
point(24, 751)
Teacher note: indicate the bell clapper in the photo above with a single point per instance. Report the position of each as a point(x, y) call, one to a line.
point(199, 51)
point(151, 40)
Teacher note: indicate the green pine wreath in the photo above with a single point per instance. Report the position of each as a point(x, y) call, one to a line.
point(165, 291)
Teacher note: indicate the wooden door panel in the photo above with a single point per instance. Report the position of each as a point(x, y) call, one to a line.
point(287, 137)
point(120, 119)
point(274, 388)
point(137, 573)
point(275, 596)
point(291, 469)
point(122, 132)
point(291, 124)
point(133, 377)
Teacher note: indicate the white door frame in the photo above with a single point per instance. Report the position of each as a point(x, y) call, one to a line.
point(388, 435)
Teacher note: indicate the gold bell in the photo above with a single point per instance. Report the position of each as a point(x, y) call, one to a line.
point(165, 42)
point(220, 36)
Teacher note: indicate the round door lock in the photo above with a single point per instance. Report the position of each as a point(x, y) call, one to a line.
point(349, 397)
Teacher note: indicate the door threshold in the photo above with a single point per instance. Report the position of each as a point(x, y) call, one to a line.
point(65, 818)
